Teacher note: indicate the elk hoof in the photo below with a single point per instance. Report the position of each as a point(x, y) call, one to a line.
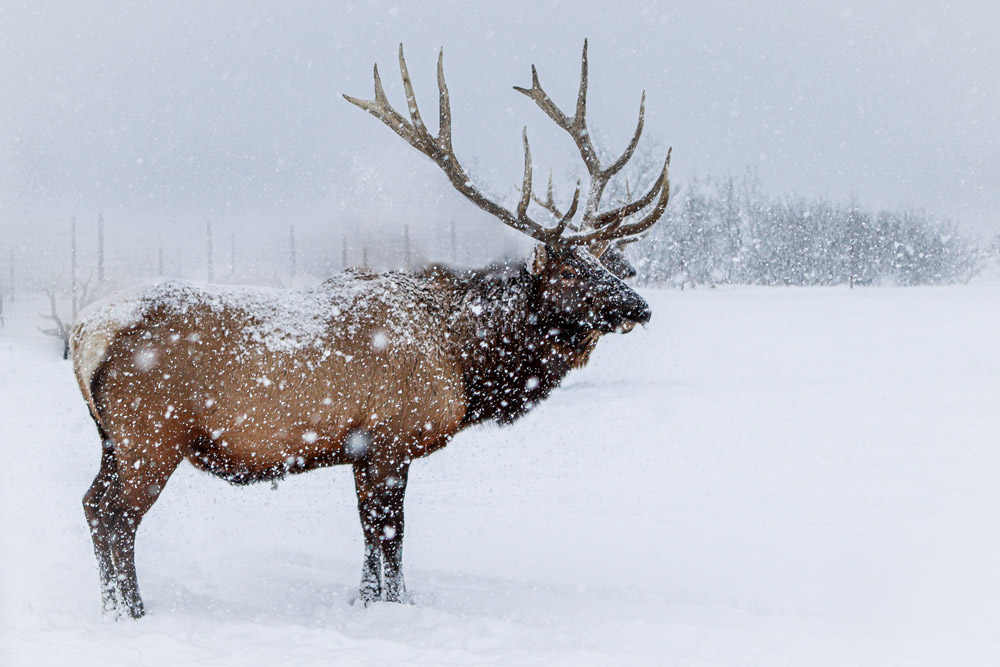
point(130, 613)
point(367, 594)
point(109, 603)
point(134, 611)
point(397, 594)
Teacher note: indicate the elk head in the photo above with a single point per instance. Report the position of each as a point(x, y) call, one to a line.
point(579, 295)
point(580, 292)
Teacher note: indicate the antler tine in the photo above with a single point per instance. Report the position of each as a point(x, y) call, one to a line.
point(522, 206)
point(580, 133)
point(549, 203)
point(380, 98)
point(630, 149)
point(581, 97)
point(444, 105)
point(411, 100)
point(564, 221)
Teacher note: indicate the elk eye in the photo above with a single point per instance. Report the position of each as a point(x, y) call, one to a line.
point(567, 274)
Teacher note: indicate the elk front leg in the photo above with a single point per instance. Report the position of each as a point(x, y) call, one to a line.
point(381, 486)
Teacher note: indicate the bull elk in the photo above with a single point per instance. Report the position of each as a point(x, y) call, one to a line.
point(366, 370)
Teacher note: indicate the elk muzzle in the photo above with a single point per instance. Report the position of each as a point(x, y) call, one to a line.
point(636, 311)
point(622, 309)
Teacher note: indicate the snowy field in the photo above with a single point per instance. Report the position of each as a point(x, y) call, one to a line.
point(759, 477)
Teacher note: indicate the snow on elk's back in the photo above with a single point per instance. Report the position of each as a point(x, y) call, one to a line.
point(282, 320)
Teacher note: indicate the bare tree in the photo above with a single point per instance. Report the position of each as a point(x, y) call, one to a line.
point(62, 326)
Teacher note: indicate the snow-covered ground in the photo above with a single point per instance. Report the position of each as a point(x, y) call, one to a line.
point(760, 477)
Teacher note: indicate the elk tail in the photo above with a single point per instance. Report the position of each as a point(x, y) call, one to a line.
point(95, 329)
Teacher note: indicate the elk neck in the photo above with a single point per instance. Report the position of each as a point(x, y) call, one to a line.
point(511, 353)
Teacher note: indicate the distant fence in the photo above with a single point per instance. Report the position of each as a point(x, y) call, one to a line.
point(87, 250)
point(79, 258)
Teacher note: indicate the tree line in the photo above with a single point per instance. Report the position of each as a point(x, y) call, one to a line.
point(729, 232)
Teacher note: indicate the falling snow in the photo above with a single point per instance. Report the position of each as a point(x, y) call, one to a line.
point(784, 476)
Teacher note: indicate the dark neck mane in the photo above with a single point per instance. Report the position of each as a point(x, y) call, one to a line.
point(511, 354)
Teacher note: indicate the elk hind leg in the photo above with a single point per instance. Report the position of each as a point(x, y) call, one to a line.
point(99, 532)
point(138, 484)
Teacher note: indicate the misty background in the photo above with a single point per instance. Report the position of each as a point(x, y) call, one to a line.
point(163, 117)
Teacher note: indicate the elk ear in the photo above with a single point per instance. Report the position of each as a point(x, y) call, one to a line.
point(598, 248)
point(539, 258)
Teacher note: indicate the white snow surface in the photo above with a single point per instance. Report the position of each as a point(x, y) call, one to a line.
point(759, 477)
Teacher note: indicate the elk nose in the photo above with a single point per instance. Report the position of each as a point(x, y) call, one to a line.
point(639, 311)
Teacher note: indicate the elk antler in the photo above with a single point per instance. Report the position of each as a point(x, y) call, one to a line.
point(597, 228)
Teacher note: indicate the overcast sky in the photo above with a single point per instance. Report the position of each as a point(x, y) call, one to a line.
point(204, 108)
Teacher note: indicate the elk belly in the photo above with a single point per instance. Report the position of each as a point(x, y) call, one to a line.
point(243, 458)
